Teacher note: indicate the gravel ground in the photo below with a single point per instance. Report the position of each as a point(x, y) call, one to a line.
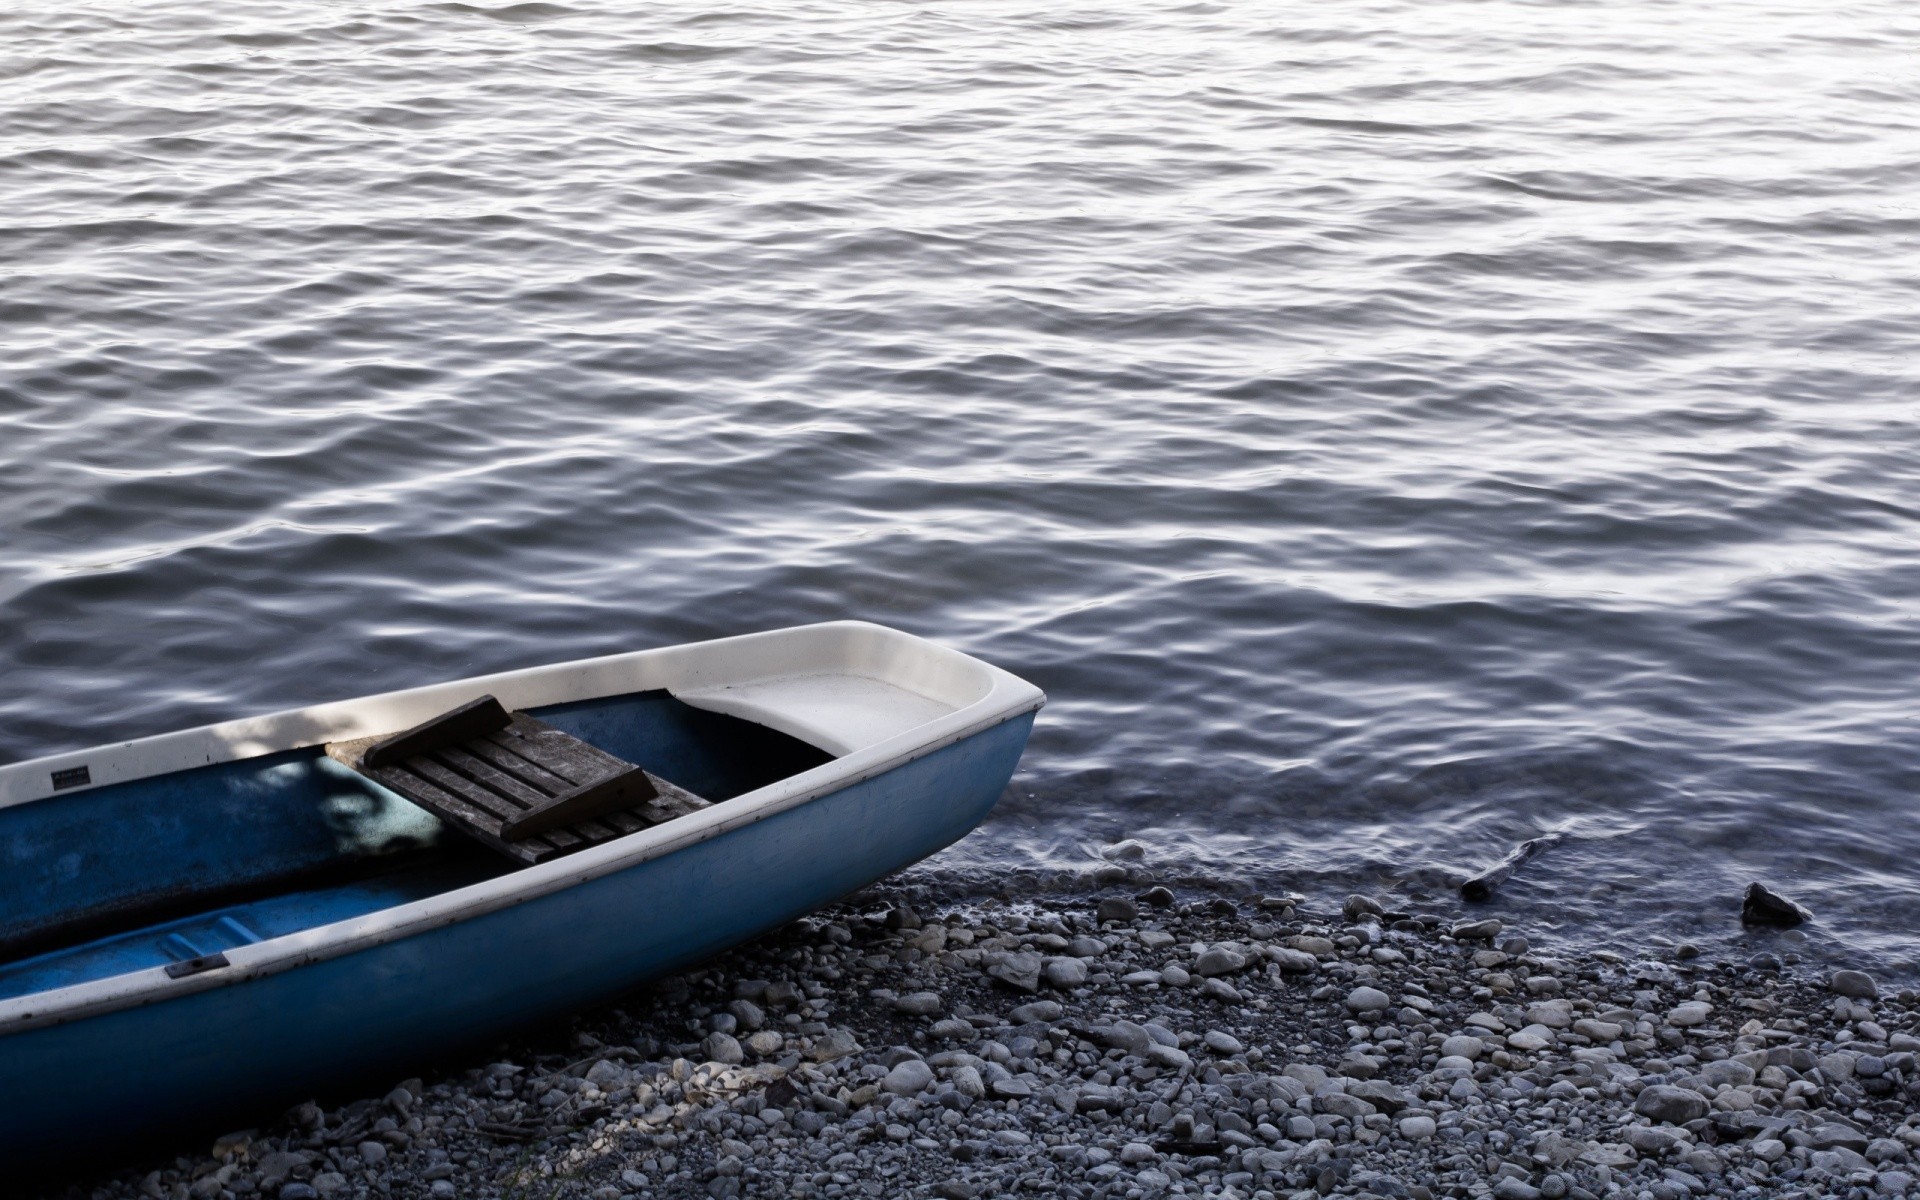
point(1140, 1046)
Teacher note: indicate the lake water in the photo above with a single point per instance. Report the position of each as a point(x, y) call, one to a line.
point(1389, 430)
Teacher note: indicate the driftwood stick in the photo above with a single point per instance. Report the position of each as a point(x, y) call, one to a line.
point(1481, 886)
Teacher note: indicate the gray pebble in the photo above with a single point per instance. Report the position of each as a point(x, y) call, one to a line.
point(1219, 960)
point(1066, 973)
point(1675, 1106)
point(1222, 1043)
point(918, 1004)
point(723, 1048)
point(1463, 1045)
point(1038, 1010)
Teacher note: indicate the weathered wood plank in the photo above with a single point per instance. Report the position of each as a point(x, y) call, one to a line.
point(561, 753)
point(484, 773)
point(476, 718)
point(624, 822)
point(446, 779)
point(443, 802)
point(624, 790)
point(505, 758)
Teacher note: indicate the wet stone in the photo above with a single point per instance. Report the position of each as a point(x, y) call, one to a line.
point(1764, 906)
point(1855, 984)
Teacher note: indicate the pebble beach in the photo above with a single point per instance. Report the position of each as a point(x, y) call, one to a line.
point(1133, 1044)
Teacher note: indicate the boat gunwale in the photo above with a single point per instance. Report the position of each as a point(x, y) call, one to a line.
point(1006, 698)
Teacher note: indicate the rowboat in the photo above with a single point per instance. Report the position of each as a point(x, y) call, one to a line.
point(200, 927)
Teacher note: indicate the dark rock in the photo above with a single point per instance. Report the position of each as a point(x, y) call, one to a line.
point(1159, 897)
point(1764, 906)
point(1117, 908)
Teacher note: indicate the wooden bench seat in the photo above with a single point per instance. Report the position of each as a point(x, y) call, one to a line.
point(526, 789)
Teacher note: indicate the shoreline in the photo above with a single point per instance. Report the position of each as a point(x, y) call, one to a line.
point(1113, 1046)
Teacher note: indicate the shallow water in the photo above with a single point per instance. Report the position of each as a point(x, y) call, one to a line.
point(1388, 430)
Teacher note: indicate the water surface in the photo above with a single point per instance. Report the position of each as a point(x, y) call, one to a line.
point(1388, 429)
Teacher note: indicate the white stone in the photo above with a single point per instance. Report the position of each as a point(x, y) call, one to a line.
point(767, 1043)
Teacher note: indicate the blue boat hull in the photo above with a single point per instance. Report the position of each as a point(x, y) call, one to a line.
point(235, 1055)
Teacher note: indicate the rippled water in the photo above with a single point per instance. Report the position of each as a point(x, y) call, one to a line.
point(1388, 430)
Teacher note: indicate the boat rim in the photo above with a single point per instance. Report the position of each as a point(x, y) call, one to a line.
point(1007, 697)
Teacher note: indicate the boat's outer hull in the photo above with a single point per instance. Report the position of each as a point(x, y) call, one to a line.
point(232, 1054)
